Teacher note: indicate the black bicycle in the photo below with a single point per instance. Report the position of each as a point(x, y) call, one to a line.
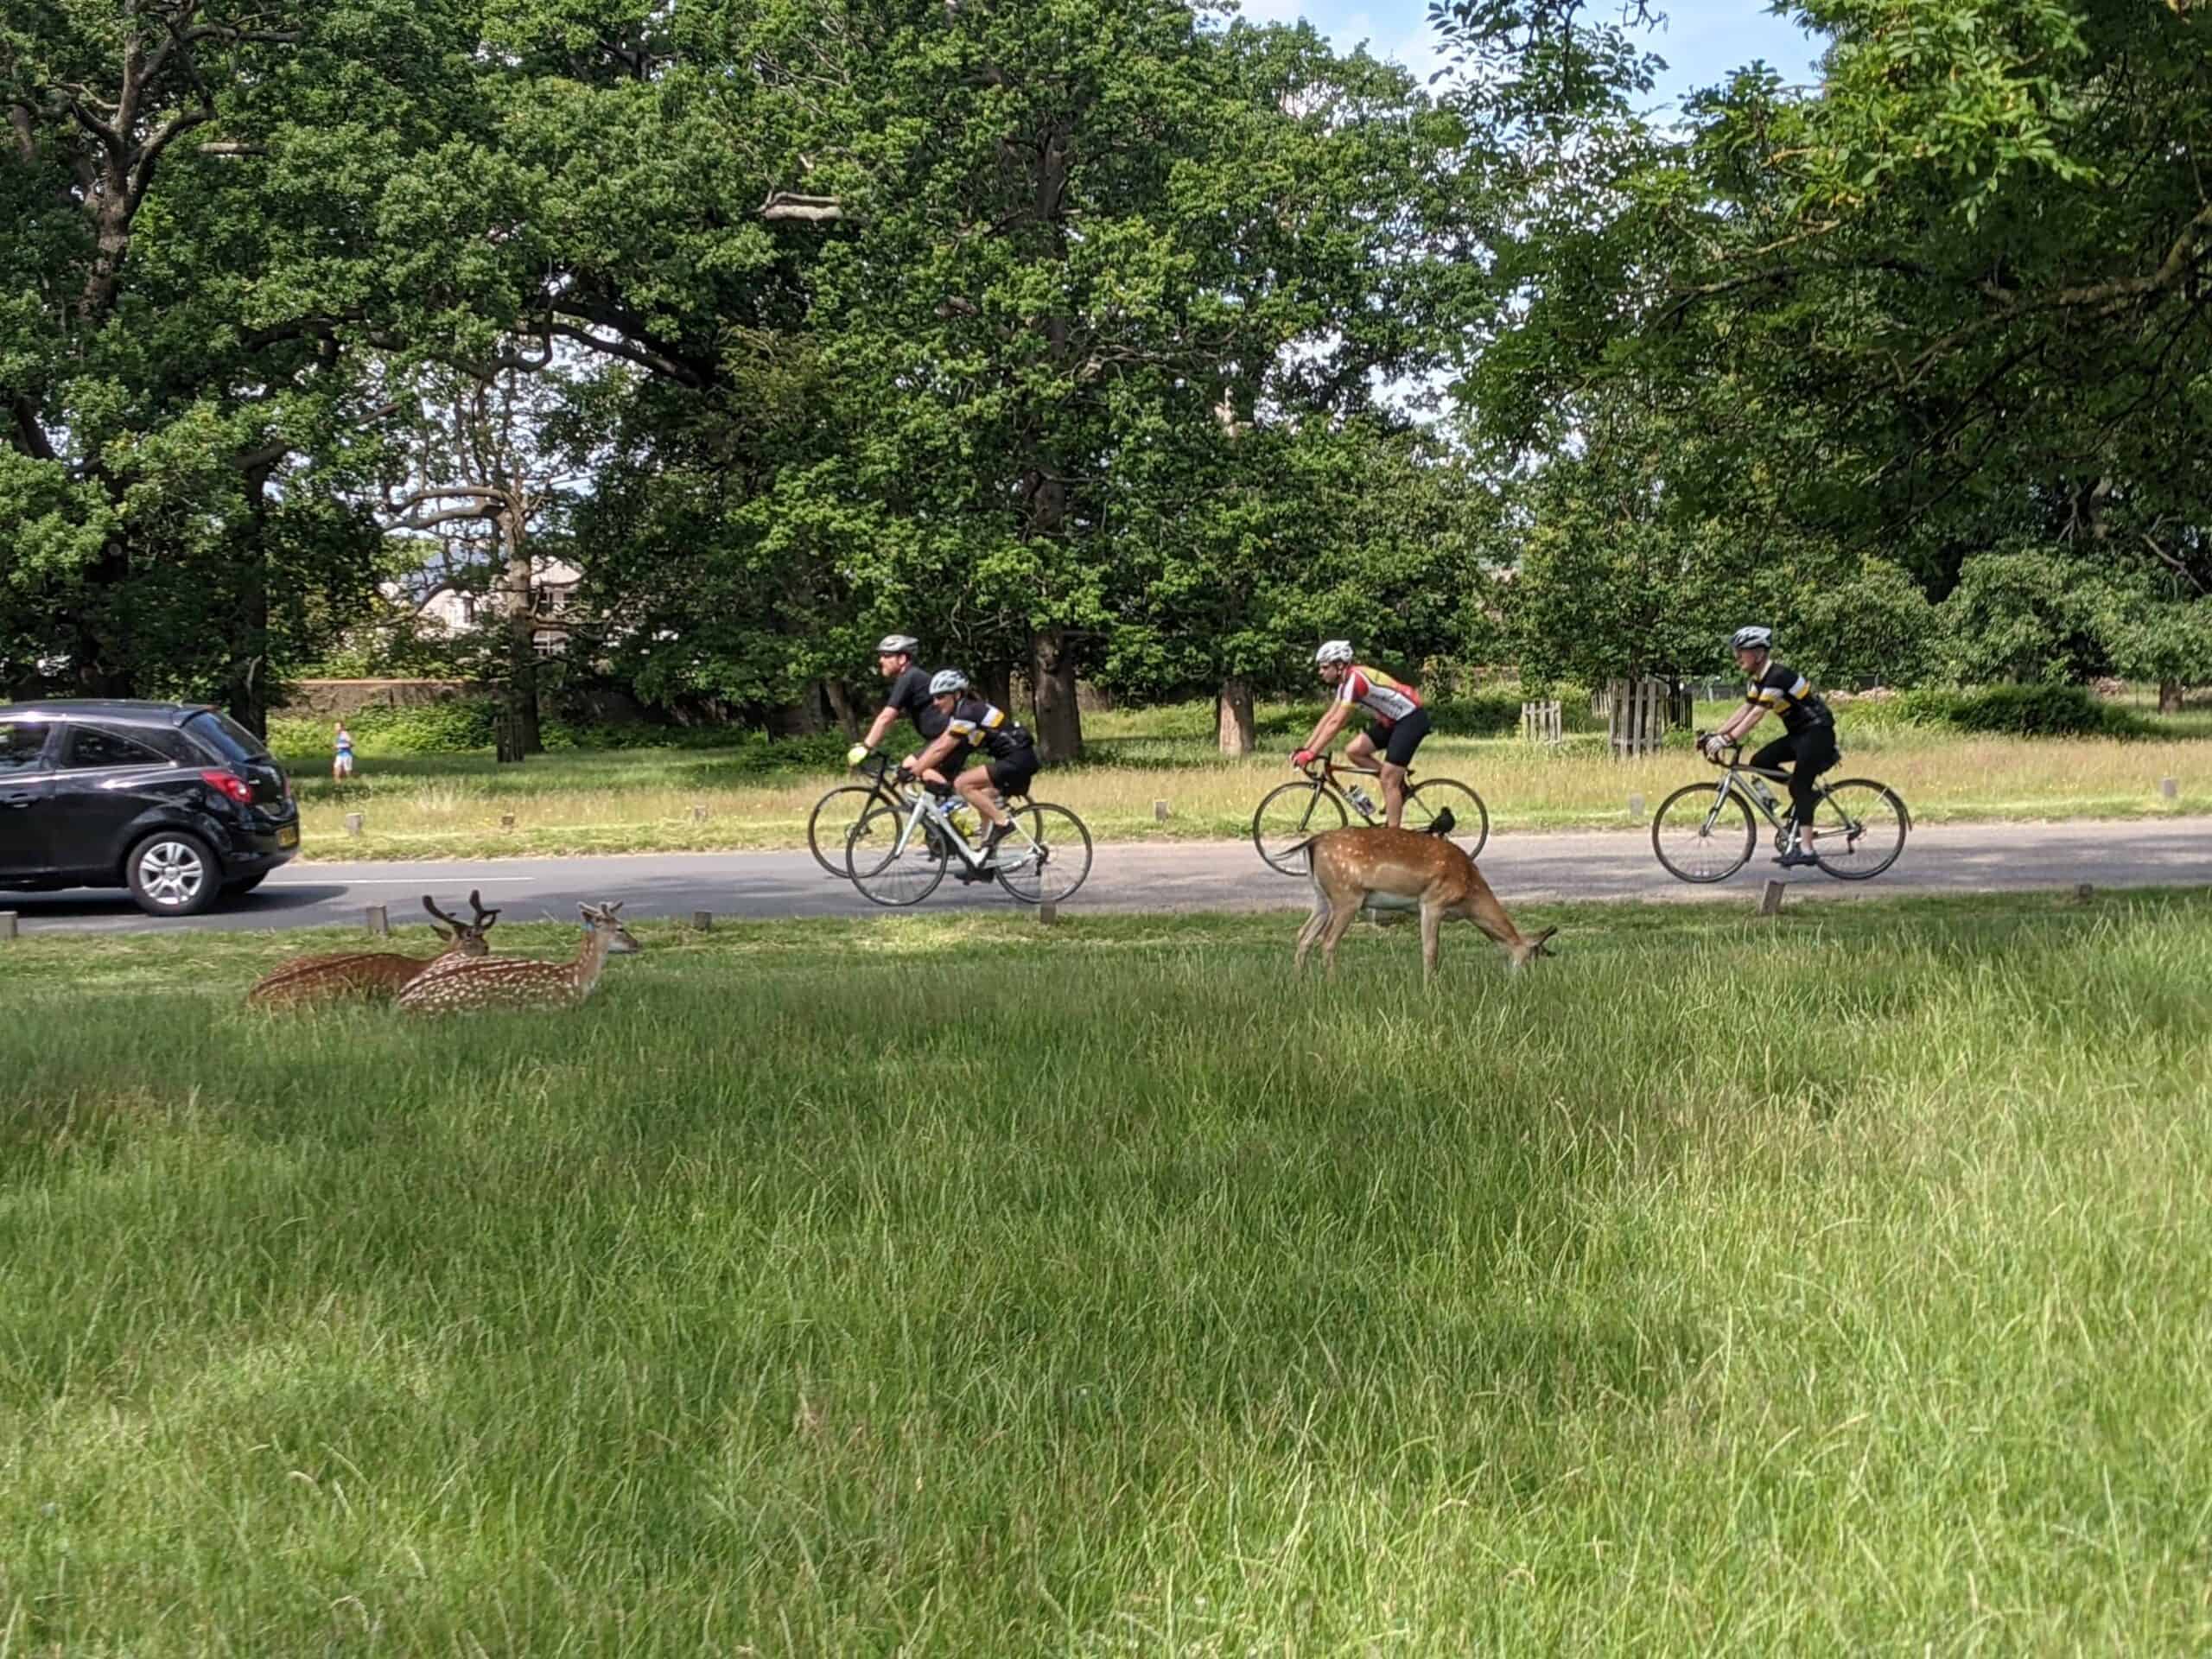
point(1291, 814)
point(1704, 832)
point(834, 816)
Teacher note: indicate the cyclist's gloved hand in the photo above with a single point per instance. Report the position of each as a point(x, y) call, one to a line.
point(1303, 758)
point(857, 754)
point(1716, 747)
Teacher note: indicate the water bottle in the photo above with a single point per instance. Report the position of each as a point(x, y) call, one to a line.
point(1359, 799)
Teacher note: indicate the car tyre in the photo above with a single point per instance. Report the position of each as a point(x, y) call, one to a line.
point(173, 873)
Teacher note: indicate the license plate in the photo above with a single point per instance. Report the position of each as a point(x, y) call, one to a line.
point(288, 836)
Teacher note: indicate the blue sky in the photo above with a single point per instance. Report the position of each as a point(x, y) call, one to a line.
point(1701, 39)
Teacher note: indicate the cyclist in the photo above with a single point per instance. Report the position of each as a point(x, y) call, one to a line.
point(971, 725)
point(1808, 731)
point(909, 696)
point(1400, 722)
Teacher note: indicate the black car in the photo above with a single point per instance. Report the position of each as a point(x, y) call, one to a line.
point(179, 803)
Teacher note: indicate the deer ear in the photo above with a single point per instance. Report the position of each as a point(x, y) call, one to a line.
point(442, 931)
point(616, 906)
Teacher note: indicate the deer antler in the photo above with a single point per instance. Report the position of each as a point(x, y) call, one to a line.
point(484, 918)
point(453, 922)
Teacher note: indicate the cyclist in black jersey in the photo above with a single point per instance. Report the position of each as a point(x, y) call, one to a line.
point(975, 727)
point(909, 694)
point(1807, 739)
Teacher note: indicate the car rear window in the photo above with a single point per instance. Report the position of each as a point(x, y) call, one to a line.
point(226, 737)
point(22, 744)
point(93, 746)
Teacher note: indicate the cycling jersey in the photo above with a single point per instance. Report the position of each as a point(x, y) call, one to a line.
point(1792, 694)
point(910, 695)
point(977, 725)
point(1387, 699)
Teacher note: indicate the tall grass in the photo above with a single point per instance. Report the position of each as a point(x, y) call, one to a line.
point(644, 800)
point(1833, 1285)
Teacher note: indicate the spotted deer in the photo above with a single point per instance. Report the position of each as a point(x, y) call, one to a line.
point(374, 973)
point(515, 983)
point(1397, 870)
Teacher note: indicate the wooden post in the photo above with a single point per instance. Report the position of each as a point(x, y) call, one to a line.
point(698, 811)
point(353, 825)
point(2081, 892)
point(506, 820)
point(1770, 898)
point(1160, 810)
point(7, 924)
point(1047, 913)
point(2169, 787)
point(702, 919)
point(379, 921)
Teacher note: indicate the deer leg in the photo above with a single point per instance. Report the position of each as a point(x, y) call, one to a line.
point(1342, 915)
point(1312, 930)
point(1432, 923)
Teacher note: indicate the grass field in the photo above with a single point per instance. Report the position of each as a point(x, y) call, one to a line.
point(1841, 1284)
point(642, 800)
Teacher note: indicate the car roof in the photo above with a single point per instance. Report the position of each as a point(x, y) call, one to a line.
point(127, 711)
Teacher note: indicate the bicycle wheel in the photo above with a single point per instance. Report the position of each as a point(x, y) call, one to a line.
point(1427, 802)
point(1700, 835)
point(1859, 829)
point(1047, 858)
point(1290, 816)
point(885, 872)
point(831, 823)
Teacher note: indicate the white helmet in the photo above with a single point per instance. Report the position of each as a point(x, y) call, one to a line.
point(1334, 650)
point(1753, 639)
point(896, 645)
point(947, 682)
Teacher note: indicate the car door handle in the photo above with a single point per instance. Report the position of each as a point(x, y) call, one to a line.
point(20, 797)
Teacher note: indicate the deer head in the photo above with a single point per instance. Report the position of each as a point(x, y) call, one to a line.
point(463, 938)
point(601, 921)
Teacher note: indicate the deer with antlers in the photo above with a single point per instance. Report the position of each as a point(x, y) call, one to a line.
point(1381, 869)
point(515, 983)
point(374, 973)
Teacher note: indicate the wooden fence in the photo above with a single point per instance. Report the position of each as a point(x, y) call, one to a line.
point(1540, 722)
point(1638, 713)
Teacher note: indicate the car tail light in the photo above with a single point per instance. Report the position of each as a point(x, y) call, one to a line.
point(228, 783)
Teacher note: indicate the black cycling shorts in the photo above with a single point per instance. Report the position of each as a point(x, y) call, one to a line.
point(1398, 741)
point(1010, 773)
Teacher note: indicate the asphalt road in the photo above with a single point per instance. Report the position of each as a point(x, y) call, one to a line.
point(1206, 875)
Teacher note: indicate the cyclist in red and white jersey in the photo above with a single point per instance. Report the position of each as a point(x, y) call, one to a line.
point(1400, 722)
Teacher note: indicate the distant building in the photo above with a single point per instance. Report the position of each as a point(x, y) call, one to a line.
point(448, 609)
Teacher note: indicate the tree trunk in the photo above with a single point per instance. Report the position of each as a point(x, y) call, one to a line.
point(1233, 705)
point(840, 708)
point(519, 699)
point(1059, 724)
point(995, 680)
point(247, 678)
point(99, 654)
point(2170, 696)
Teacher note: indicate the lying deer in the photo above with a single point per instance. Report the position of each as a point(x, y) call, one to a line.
point(514, 982)
point(1395, 870)
point(374, 973)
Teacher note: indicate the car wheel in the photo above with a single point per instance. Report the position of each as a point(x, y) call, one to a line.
point(173, 874)
point(243, 884)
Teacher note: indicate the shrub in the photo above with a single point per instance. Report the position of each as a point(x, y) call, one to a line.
point(2042, 711)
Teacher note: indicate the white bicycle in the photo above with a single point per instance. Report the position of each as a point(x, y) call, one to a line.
point(897, 855)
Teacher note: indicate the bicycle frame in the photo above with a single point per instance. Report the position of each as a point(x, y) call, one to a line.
point(1774, 811)
point(1326, 778)
point(918, 809)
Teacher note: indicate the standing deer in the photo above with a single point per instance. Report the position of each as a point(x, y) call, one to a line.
point(1355, 867)
point(374, 973)
point(513, 983)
